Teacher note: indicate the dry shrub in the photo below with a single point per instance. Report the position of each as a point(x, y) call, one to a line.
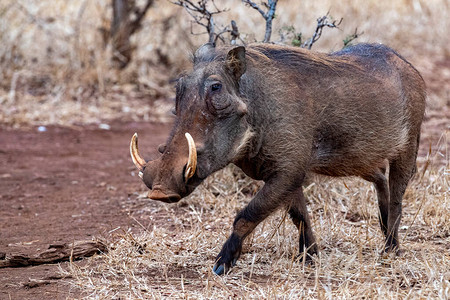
point(55, 66)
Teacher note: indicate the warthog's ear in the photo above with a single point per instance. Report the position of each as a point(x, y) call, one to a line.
point(236, 61)
point(203, 52)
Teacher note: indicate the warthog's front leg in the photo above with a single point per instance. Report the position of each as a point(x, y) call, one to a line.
point(274, 193)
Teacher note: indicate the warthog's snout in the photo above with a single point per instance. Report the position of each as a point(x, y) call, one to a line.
point(167, 176)
point(157, 193)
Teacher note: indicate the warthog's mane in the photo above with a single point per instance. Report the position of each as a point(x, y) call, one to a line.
point(301, 59)
point(298, 58)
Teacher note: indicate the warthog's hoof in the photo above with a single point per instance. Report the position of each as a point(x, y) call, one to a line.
point(223, 268)
point(219, 270)
point(307, 257)
point(396, 251)
point(228, 256)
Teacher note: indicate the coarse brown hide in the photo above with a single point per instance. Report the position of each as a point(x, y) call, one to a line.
point(279, 113)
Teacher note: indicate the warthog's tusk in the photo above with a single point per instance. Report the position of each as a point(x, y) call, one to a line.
point(138, 161)
point(192, 161)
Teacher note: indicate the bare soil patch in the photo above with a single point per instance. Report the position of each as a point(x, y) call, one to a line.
point(60, 186)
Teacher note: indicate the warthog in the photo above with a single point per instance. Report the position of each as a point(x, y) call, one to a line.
point(279, 113)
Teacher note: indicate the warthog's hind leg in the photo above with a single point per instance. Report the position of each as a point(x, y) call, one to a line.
point(400, 172)
point(381, 185)
point(299, 215)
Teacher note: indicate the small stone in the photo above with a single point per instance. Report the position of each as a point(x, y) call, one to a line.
point(104, 126)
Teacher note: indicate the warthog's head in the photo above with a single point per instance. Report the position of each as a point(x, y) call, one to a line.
point(210, 127)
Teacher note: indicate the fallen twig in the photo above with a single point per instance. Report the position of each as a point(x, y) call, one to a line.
point(55, 253)
point(33, 283)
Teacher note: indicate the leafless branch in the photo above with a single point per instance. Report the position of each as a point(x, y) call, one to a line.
point(268, 15)
point(140, 14)
point(127, 19)
point(219, 36)
point(350, 38)
point(54, 254)
point(204, 17)
point(321, 23)
point(234, 32)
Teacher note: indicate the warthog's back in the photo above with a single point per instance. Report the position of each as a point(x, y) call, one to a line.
point(362, 104)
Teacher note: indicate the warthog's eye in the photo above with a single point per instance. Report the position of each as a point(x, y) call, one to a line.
point(215, 87)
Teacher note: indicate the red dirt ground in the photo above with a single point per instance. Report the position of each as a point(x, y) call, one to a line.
point(64, 185)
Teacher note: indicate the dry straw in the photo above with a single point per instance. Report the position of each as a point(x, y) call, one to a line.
point(172, 254)
point(54, 69)
point(55, 66)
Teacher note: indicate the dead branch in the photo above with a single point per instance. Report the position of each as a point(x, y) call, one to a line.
point(234, 32)
point(268, 15)
point(204, 17)
point(55, 253)
point(34, 283)
point(127, 20)
point(350, 38)
point(219, 35)
point(321, 23)
point(139, 16)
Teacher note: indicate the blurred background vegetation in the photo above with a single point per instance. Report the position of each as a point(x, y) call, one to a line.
point(60, 64)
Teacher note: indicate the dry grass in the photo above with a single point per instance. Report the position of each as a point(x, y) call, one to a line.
point(173, 253)
point(54, 69)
